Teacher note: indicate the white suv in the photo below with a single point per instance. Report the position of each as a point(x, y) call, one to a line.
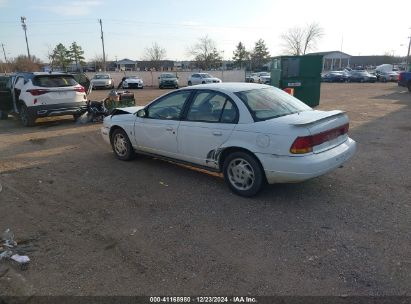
point(39, 94)
point(202, 78)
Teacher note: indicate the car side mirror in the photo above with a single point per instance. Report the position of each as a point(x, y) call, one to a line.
point(141, 113)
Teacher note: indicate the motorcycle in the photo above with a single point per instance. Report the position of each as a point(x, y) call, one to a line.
point(97, 110)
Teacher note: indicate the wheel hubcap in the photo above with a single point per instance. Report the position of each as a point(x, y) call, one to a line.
point(120, 144)
point(241, 174)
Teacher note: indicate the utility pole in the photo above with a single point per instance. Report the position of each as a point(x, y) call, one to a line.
point(408, 56)
point(24, 26)
point(102, 41)
point(5, 58)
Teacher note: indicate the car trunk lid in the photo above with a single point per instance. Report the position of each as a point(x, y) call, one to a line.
point(328, 129)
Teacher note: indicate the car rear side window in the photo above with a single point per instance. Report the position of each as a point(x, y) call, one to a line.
point(54, 81)
point(270, 103)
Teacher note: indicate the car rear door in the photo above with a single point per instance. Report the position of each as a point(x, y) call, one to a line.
point(209, 122)
point(157, 132)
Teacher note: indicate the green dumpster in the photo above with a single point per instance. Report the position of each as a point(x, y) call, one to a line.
point(302, 74)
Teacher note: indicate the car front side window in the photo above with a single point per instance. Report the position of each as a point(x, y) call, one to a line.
point(169, 107)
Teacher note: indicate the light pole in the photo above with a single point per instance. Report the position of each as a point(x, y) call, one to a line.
point(24, 26)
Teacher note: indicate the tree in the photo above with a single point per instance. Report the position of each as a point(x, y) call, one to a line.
point(60, 57)
point(240, 55)
point(76, 54)
point(205, 54)
point(298, 40)
point(23, 64)
point(155, 54)
point(260, 55)
point(99, 62)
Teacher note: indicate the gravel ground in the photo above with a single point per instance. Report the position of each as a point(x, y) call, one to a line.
point(93, 225)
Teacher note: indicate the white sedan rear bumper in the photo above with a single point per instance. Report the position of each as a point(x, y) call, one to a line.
point(286, 169)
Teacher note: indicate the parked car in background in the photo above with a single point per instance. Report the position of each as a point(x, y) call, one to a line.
point(361, 76)
point(132, 82)
point(102, 81)
point(335, 76)
point(202, 78)
point(41, 94)
point(404, 80)
point(168, 80)
point(387, 76)
point(261, 77)
point(252, 133)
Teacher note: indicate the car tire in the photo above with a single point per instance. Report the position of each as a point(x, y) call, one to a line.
point(203, 82)
point(160, 87)
point(4, 115)
point(26, 118)
point(190, 83)
point(176, 87)
point(243, 174)
point(76, 116)
point(121, 145)
point(409, 86)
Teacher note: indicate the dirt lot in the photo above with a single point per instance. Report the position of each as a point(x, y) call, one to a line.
point(93, 225)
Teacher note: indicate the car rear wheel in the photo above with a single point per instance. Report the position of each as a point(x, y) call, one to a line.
point(121, 145)
point(26, 118)
point(190, 83)
point(243, 174)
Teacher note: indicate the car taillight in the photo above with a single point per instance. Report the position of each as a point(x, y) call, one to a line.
point(305, 144)
point(400, 77)
point(37, 92)
point(80, 89)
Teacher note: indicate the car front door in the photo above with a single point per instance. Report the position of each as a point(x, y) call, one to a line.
point(6, 97)
point(157, 132)
point(83, 80)
point(209, 122)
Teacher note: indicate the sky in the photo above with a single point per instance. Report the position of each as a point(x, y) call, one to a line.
point(360, 27)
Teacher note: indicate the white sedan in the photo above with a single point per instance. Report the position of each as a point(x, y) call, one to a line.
point(252, 133)
point(132, 82)
point(202, 78)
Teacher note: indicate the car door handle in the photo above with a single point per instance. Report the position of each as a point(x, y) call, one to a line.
point(169, 129)
point(217, 133)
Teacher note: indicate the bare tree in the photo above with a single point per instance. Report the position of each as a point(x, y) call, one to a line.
point(155, 53)
point(23, 64)
point(299, 40)
point(205, 53)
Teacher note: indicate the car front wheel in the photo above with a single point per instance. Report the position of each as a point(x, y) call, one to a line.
point(121, 145)
point(243, 174)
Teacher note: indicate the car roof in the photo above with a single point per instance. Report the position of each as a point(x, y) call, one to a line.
point(228, 87)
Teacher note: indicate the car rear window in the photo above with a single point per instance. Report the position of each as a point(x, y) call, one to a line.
point(52, 81)
point(270, 103)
